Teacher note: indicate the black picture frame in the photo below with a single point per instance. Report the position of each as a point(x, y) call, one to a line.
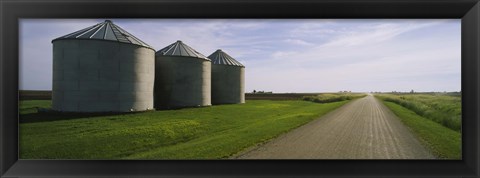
point(466, 10)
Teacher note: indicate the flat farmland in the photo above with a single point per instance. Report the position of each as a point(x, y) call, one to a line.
point(193, 133)
point(368, 128)
point(361, 129)
point(277, 96)
point(319, 125)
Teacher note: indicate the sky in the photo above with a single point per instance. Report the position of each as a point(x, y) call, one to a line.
point(286, 55)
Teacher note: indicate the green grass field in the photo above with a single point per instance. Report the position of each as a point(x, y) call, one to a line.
point(442, 108)
point(333, 97)
point(30, 106)
point(424, 114)
point(194, 133)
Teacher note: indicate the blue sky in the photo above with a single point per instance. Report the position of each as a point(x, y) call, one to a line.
point(280, 55)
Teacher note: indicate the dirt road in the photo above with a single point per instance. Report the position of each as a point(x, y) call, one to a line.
point(361, 129)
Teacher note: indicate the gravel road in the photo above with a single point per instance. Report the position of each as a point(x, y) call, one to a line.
point(361, 129)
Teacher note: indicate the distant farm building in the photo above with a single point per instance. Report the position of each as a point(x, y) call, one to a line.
point(228, 79)
point(182, 77)
point(102, 68)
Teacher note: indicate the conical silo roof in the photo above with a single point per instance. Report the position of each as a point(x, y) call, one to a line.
point(222, 58)
point(105, 31)
point(180, 49)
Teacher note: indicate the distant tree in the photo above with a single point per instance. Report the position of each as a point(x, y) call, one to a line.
point(411, 91)
point(254, 91)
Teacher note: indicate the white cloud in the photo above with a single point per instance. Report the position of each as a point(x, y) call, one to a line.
point(371, 34)
point(298, 42)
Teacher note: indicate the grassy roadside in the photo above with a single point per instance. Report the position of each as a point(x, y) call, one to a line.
point(193, 133)
point(444, 142)
point(333, 97)
point(443, 108)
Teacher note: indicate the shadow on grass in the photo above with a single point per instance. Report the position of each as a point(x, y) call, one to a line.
point(58, 116)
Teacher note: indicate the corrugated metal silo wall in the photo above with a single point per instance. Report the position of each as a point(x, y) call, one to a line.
point(182, 82)
point(228, 84)
point(102, 76)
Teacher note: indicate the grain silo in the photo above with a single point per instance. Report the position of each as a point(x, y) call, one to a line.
point(228, 79)
point(102, 68)
point(182, 77)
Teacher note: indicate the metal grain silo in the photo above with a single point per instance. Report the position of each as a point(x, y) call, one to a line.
point(228, 79)
point(102, 68)
point(182, 77)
